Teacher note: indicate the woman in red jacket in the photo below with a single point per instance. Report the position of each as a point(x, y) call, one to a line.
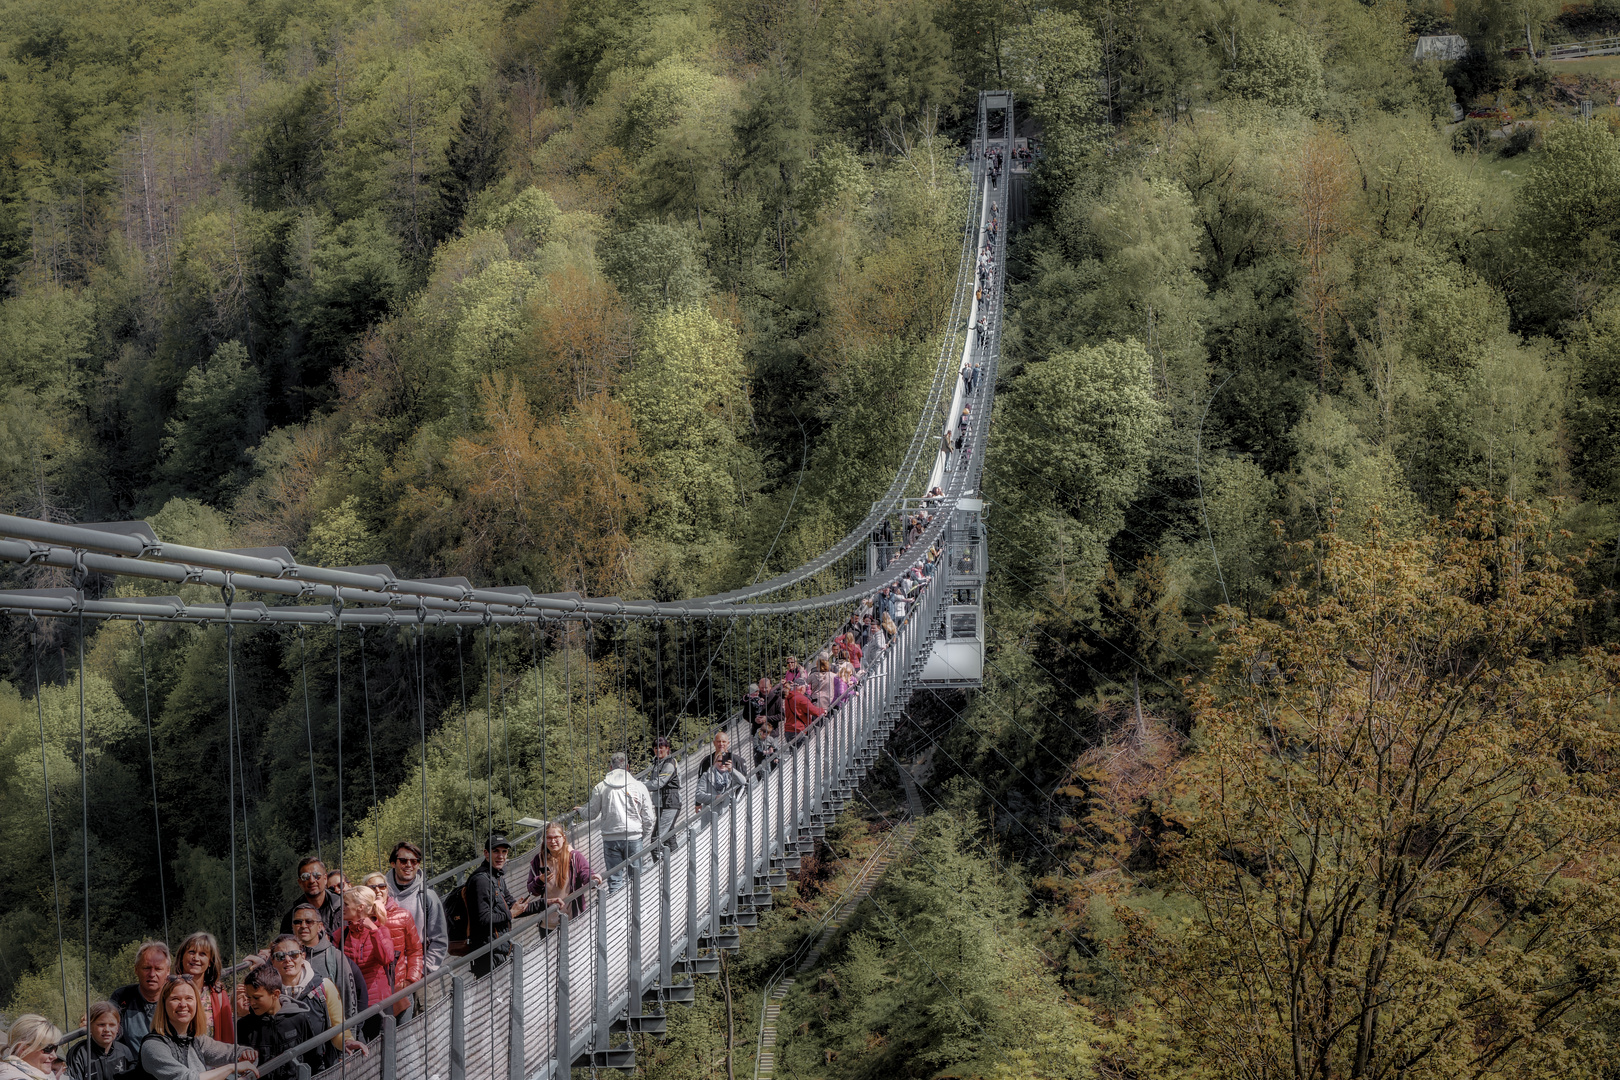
point(402, 931)
point(370, 948)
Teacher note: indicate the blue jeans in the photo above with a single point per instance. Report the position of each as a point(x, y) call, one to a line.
point(617, 852)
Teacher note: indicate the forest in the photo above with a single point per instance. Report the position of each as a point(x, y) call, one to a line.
point(1296, 754)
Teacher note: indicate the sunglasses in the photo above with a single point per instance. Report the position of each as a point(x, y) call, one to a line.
point(311, 877)
point(285, 955)
point(406, 861)
point(51, 1049)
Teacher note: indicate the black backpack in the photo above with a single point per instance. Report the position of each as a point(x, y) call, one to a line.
point(458, 921)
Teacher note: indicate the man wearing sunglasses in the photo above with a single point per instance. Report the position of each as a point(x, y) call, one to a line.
point(312, 883)
point(327, 959)
point(407, 884)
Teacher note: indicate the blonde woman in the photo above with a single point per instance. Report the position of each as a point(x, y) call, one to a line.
point(844, 683)
point(397, 923)
point(557, 870)
point(370, 947)
point(177, 1049)
point(30, 1049)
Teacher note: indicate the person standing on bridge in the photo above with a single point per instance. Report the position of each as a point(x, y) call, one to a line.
point(312, 882)
point(621, 806)
point(844, 683)
point(302, 984)
point(199, 958)
point(392, 919)
point(490, 906)
point(723, 778)
point(102, 1056)
point(819, 683)
point(754, 703)
point(665, 780)
point(371, 948)
point(275, 1023)
point(408, 886)
point(801, 713)
point(177, 1049)
point(137, 1002)
point(327, 960)
point(31, 1049)
point(558, 873)
point(767, 747)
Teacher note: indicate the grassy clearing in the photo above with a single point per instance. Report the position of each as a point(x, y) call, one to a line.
point(1604, 67)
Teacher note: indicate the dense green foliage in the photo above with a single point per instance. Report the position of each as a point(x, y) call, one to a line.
point(541, 294)
point(567, 293)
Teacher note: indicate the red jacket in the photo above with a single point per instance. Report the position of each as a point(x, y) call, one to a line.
point(372, 951)
point(407, 940)
point(800, 711)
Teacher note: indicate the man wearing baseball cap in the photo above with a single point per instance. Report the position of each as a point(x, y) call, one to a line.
point(490, 907)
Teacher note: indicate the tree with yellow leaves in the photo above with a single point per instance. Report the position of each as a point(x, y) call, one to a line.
point(1400, 852)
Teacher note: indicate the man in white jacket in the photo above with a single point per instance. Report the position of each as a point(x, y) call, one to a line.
point(622, 809)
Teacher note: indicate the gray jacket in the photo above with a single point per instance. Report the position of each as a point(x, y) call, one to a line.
point(714, 784)
point(665, 780)
point(427, 910)
point(168, 1057)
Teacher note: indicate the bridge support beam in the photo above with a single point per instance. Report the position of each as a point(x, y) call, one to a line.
point(564, 1040)
point(458, 1028)
point(514, 1039)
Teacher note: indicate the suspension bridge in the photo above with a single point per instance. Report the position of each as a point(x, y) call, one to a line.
point(569, 996)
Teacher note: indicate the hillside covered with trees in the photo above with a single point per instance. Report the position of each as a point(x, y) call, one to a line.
point(1296, 755)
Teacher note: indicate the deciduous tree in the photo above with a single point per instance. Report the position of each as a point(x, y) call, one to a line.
point(1401, 850)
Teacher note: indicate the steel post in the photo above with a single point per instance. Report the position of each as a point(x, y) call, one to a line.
point(514, 1035)
point(633, 942)
point(666, 954)
point(752, 873)
point(458, 1028)
point(691, 894)
point(599, 1027)
point(390, 1066)
point(565, 1037)
point(731, 852)
point(714, 871)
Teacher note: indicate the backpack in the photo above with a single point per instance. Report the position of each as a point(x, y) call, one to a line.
point(458, 921)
